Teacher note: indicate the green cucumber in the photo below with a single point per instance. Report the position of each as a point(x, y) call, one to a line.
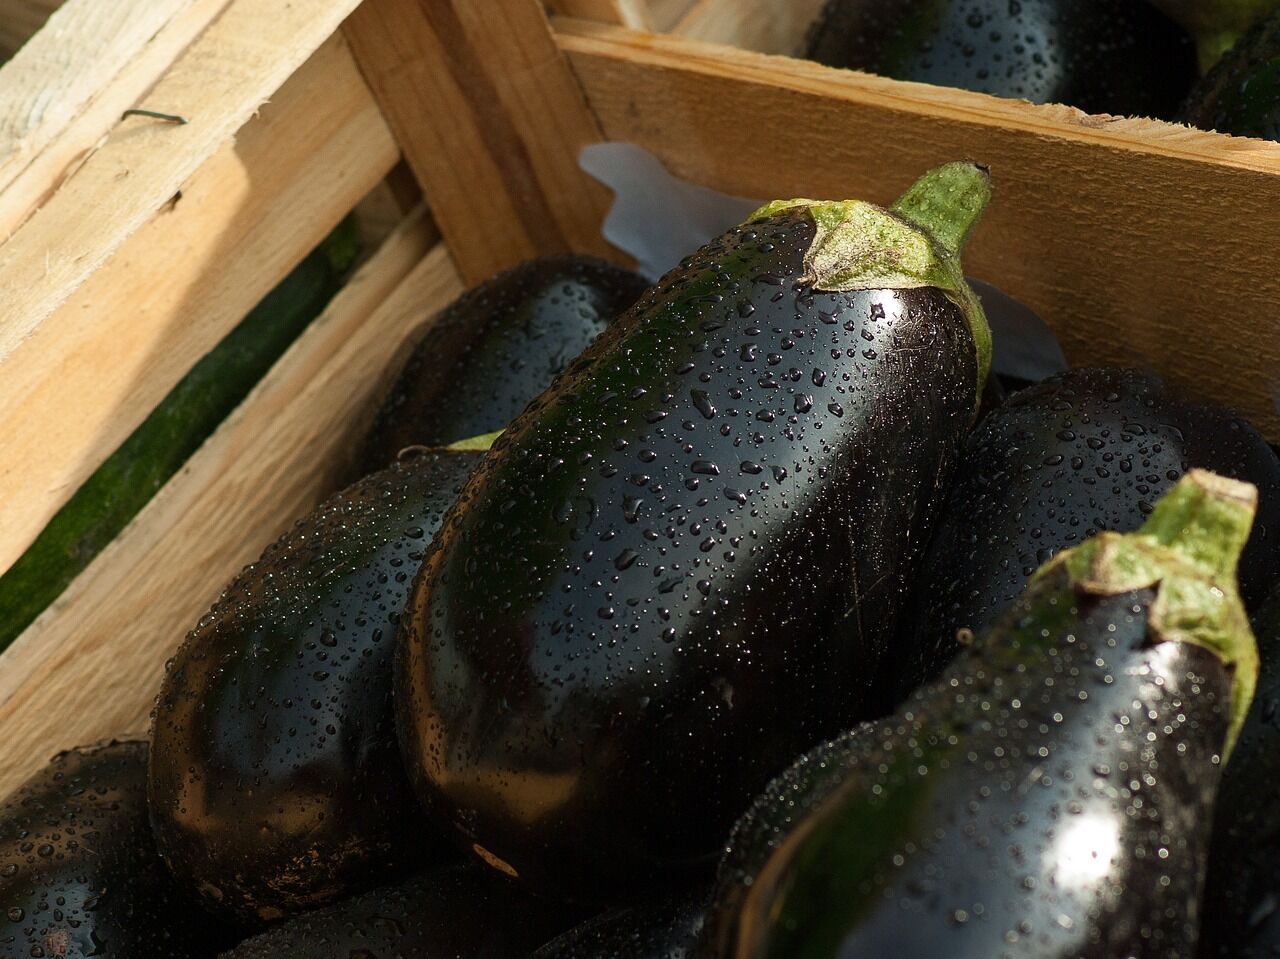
point(159, 447)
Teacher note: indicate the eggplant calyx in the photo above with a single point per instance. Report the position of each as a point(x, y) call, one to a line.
point(1216, 26)
point(480, 444)
point(914, 244)
point(1188, 551)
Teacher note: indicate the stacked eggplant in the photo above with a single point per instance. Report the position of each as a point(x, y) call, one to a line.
point(499, 687)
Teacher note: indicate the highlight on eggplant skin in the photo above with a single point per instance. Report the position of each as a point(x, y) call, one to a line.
point(1083, 451)
point(647, 599)
point(79, 871)
point(1049, 795)
point(276, 783)
point(488, 354)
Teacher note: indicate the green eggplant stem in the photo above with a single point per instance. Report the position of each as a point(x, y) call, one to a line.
point(479, 444)
point(1205, 519)
point(947, 203)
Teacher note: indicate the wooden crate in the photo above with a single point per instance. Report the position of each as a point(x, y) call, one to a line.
point(134, 244)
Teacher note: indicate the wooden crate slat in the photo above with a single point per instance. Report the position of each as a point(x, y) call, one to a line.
point(625, 13)
point(20, 19)
point(1139, 242)
point(239, 62)
point(765, 26)
point(91, 665)
point(491, 120)
point(179, 284)
point(67, 87)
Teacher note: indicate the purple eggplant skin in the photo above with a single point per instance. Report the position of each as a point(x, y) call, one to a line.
point(1241, 94)
point(1103, 56)
point(79, 871)
point(665, 927)
point(463, 911)
point(679, 566)
point(1049, 796)
point(1080, 452)
point(478, 364)
point(1242, 889)
point(275, 782)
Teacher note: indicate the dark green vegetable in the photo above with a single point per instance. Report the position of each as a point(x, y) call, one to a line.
point(1217, 25)
point(1242, 888)
point(158, 448)
point(1081, 452)
point(276, 784)
point(680, 565)
point(1102, 56)
point(79, 872)
point(661, 928)
point(1241, 95)
point(1049, 796)
point(456, 912)
point(500, 345)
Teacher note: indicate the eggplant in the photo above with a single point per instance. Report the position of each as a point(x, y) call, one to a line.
point(1216, 25)
point(79, 871)
point(680, 565)
point(477, 365)
point(275, 779)
point(1050, 795)
point(665, 927)
point(1242, 890)
point(1123, 58)
point(1083, 451)
point(1241, 95)
point(455, 912)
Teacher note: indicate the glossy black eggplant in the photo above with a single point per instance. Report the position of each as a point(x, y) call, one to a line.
point(1242, 889)
point(1241, 95)
point(679, 566)
point(480, 362)
point(1083, 451)
point(1216, 25)
point(275, 779)
point(1102, 56)
point(662, 928)
point(79, 871)
point(455, 912)
point(1050, 796)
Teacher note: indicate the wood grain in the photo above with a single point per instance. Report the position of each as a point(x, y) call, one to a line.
point(20, 19)
point(623, 13)
point(1140, 243)
point(491, 120)
point(765, 26)
point(178, 285)
point(90, 666)
point(237, 64)
point(65, 90)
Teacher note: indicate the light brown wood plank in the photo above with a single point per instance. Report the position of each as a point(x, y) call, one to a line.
point(623, 13)
point(665, 14)
point(1139, 242)
point(491, 120)
point(766, 26)
point(20, 19)
point(65, 90)
point(179, 284)
point(90, 666)
point(237, 64)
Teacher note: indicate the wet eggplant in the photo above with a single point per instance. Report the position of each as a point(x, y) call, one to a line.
point(680, 565)
point(275, 782)
point(455, 912)
point(662, 928)
point(1102, 56)
point(1242, 889)
point(1050, 795)
point(1081, 452)
point(79, 871)
point(481, 361)
point(1216, 25)
point(1241, 95)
